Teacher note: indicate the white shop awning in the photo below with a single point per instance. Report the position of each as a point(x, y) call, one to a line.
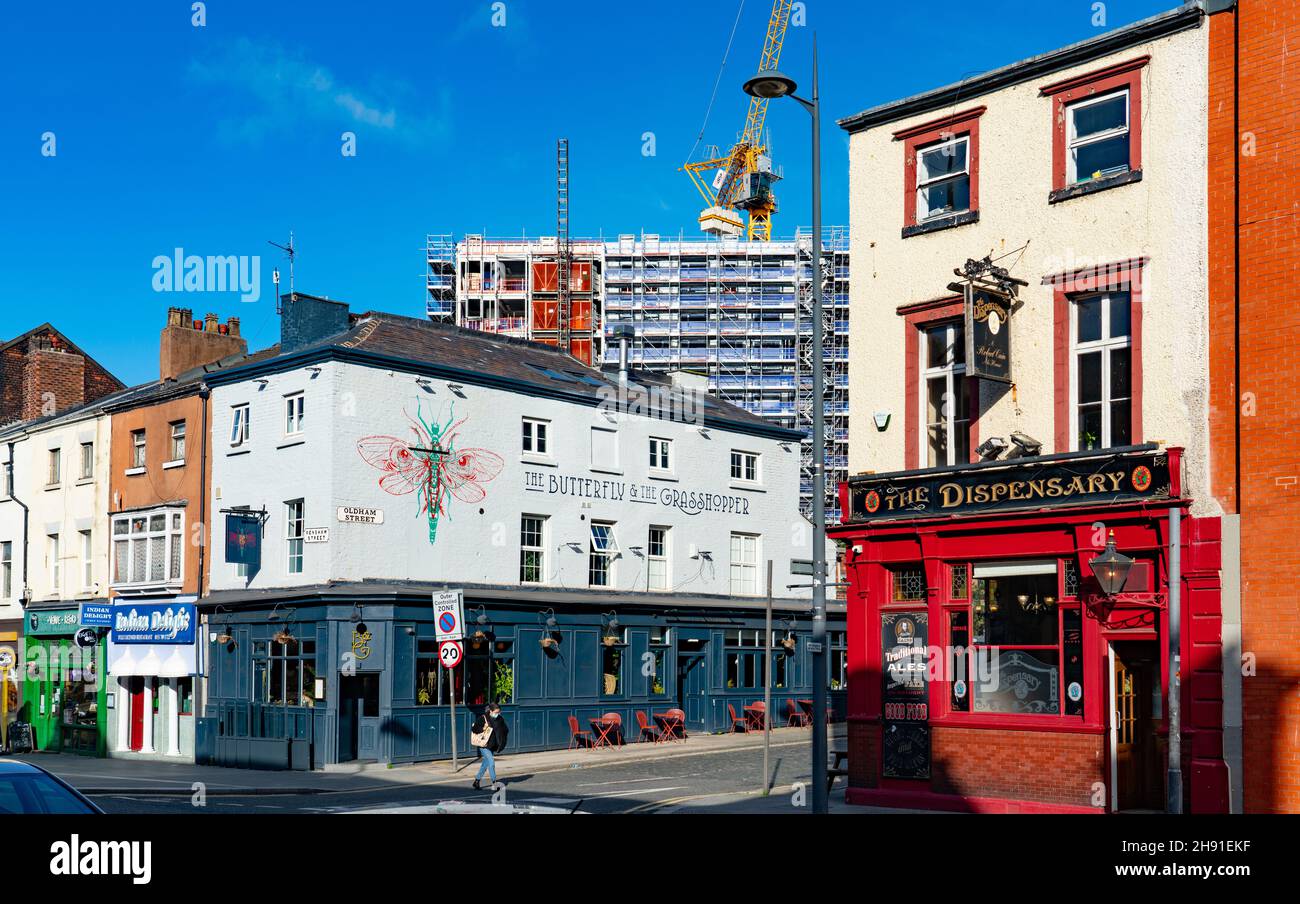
point(158, 660)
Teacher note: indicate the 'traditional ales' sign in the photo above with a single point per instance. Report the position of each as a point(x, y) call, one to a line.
point(904, 698)
point(1007, 486)
point(988, 335)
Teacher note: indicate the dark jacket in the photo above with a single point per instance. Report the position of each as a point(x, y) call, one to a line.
point(500, 731)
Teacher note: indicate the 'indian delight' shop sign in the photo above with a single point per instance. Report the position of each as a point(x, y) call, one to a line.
point(689, 502)
point(1034, 484)
point(154, 623)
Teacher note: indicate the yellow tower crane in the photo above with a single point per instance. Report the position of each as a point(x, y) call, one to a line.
point(744, 177)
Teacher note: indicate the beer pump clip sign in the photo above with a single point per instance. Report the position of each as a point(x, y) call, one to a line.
point(988, 334)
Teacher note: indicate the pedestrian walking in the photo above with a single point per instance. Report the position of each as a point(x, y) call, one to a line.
point(489, 734)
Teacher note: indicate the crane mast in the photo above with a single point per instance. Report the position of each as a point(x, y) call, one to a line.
point(744, 177)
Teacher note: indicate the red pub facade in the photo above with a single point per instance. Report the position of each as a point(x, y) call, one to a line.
point(990, 671)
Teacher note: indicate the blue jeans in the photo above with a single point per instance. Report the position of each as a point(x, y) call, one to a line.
point(489, 765)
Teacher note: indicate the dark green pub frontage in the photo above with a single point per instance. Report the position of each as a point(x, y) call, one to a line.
point(301, 679)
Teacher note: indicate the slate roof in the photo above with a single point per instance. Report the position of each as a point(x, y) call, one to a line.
point(503, 362)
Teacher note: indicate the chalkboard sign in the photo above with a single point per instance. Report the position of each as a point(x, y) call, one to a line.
point(20, 737)
point(905, 715)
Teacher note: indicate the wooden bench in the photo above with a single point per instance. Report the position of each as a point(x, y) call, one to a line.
point(836, 770)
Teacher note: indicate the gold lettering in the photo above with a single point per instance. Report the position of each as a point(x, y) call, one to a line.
point(1076, 487)
point(950, 494)
point(1015, 489)
point(1054, 487)
point(982, 493)
point(1115, 478)
point(1096, 484)
point(1036, 488)
point(999, 490)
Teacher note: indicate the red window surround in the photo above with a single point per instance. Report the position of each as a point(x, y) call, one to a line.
point(954, 126)
point(1125, 275)
point(1121, 75)
point(917, 318)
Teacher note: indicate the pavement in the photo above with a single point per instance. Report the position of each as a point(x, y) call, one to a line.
point(705, 774)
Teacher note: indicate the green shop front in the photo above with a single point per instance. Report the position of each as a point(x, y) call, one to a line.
point(63, 682)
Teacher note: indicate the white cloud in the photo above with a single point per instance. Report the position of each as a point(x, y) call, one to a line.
point(289, 89)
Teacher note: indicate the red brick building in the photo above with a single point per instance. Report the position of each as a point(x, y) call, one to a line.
point(42, 372)
point(1254, 227)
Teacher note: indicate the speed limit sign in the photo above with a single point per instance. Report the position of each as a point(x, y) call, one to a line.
point(450, 651)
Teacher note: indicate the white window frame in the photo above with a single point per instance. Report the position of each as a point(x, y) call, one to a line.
point(183, 425)
point(923, 213)
point(54, 568)
point(539, 549)
point(614, 467)
point(295, 406)
point(87, 461)
point(87, 560)
point(949, 373)
point(240, 431)
point(173, 536)
point(661, 455)
point(744, 571)
point(535, 437)
point(664, 559)
point(1106, 345)
point(749, 461)
point(6, 569)
point(56, 468)
point(1073, 142)
point(139, 449)
point(295, 529)
point(606, 549)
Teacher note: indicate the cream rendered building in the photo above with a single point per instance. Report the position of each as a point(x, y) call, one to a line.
point(995, 162)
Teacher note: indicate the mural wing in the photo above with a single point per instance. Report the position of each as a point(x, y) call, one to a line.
point(404, 471)
point(464, 471)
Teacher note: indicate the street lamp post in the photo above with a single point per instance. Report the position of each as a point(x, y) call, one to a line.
point(772, 83)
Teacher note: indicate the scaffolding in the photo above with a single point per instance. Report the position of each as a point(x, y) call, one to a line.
point(440, 300)
point(735, 311)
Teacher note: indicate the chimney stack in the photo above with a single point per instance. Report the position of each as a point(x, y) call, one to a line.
point(187, 343)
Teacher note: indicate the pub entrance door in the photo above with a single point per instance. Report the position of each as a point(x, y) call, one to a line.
point(358, 717)
point(1137, 706)
point(692, 684)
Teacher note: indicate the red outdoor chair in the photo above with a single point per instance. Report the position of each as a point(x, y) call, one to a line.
point(756, 715)
point(795, 716)
point(676, 731)
point(578, 737)
point(736, 722)
point(646, 728)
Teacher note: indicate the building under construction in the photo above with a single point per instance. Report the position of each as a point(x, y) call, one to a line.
point(737, 311)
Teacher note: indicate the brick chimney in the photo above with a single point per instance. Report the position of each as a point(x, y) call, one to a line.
point(187, 343)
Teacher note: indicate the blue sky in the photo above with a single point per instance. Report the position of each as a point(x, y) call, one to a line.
point(216, 139)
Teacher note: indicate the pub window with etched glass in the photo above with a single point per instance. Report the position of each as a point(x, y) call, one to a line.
point(1102, 363)
point(1015, 645)
point(944, 401)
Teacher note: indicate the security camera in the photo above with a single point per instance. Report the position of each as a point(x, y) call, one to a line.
point(991, 448)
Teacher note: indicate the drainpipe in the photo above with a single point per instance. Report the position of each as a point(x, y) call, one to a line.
point(27, 517)
point(1174, 782)
point(201, 685)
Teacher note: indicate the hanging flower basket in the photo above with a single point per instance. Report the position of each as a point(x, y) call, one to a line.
point(789, 644)
point(611, 639)
point(549, 643)
point(283, 637)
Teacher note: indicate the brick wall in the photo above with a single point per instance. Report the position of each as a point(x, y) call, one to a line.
point(43, 373)
point(1269, 478)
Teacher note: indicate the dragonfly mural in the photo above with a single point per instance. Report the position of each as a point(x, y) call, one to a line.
point(432, 465)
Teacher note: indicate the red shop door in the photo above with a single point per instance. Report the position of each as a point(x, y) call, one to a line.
point(135, 686)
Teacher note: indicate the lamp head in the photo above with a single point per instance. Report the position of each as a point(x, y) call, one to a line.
point(770, 83)
point(1111, 568)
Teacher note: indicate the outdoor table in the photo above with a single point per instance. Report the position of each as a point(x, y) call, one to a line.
point(756, 716)
point(840, 756)
point(602, 728)
point(670, 727)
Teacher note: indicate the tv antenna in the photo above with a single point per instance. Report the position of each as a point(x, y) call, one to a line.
point(290, 250)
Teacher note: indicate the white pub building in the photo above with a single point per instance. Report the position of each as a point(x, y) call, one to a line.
point(611, 536)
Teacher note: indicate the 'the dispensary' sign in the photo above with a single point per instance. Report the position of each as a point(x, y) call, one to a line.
point(1010, 485)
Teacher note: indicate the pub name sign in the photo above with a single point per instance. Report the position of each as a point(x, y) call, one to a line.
point(1009, 486)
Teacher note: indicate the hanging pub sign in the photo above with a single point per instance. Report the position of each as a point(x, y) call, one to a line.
point(1038, 483)
point(244, 538)
point(904, 698)
point(988, 334)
